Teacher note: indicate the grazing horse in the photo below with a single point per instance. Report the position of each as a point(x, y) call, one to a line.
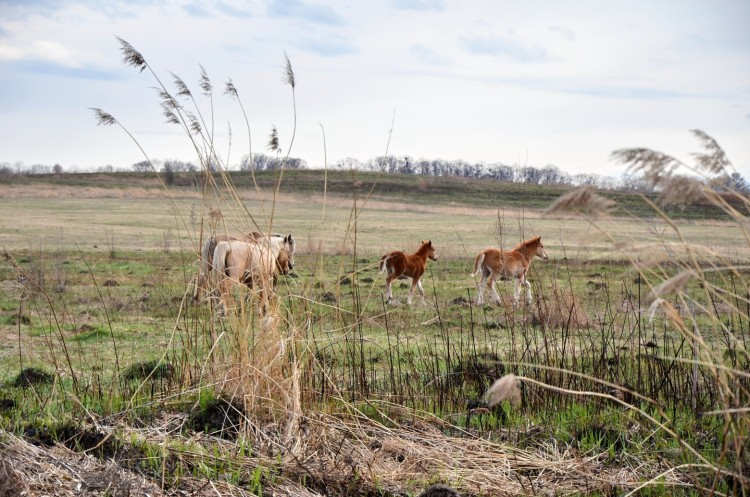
point(284, 261)
point(412, 266)
point(252, 264)
point(505, 264)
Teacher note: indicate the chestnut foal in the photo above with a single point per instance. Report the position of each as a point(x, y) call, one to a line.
point(397, 264)
point(506, 264)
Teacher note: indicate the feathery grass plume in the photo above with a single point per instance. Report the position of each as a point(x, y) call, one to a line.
point(182, 88)
point(715, 161)
point(505, 388)
point(674, 285)
point(681, 191)
point(171, 117)
point(273, 140)
point(103, 118)
point(167, 100)
point(655, 166)
point(230, 89)
point(195, 125)
point(584, 199)
point(131, 56)
point(288, 72)
point(205, 82)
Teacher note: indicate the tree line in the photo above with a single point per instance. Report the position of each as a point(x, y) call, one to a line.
point(516, 173)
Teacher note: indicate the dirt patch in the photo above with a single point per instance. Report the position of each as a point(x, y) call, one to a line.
point(218, 417)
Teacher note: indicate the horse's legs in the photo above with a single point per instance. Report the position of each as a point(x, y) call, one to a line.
point(388, 283)
point(224, 289)
point(421, 290)
point(416, 283)
point(480, 288)
point(493, 285)
point(516, 289)
point(527, 283)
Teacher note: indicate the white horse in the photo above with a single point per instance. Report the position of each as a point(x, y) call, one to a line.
point(284, 261)
point(252, 264)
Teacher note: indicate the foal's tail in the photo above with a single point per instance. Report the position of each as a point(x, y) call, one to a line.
point(478, 263)
point(383, 263)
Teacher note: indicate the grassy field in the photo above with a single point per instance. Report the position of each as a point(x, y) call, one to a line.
point(339, 393)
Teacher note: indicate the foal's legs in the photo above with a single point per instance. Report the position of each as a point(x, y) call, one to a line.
point(527, 283)
point(480, 289)
point(390, 276)
point(416, 282)
point(492, 284)
point(517, 289)
point(522, 281)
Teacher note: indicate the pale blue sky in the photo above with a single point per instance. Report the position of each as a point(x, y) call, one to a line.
point(543, 82)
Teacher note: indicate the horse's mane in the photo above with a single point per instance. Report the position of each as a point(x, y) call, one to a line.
point(527, 243)
point(423, 246)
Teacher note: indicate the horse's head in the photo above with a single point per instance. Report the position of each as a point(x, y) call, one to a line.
point(285, 259)
point(540, 252)
point(427, 245)
point(283, 264)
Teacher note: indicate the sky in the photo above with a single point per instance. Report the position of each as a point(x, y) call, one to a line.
point(533, 83)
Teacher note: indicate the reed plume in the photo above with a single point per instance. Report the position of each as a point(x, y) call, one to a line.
point(505, 388)
point(584, 199)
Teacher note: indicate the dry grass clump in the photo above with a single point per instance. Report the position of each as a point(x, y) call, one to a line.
point(341, 455)
point(584, 200)
point(354, 455)
point(30, 470)
point(562, 310)
point(682, 191)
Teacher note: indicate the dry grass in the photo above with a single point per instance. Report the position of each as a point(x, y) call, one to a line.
point(140, 224)
point(339, 452)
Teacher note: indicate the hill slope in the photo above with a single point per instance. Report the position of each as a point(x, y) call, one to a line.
point(425, 190)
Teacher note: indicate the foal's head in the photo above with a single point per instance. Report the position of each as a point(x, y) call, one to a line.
point(427, 246)
point(539, 250)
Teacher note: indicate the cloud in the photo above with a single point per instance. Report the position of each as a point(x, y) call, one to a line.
point(52, 69)
point(233, 11)
point(26, 9)
point(420, 5)
point(38, 50)
point(195, 9)
point(505, 46)
point(428, 55)
point(575, 86)
point(310, 12)
point(330, 47)
point(564, 31)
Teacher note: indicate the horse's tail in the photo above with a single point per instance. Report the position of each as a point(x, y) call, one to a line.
point(383, 263)
point(218, 264)
point(205, 266)
point(478, 263)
